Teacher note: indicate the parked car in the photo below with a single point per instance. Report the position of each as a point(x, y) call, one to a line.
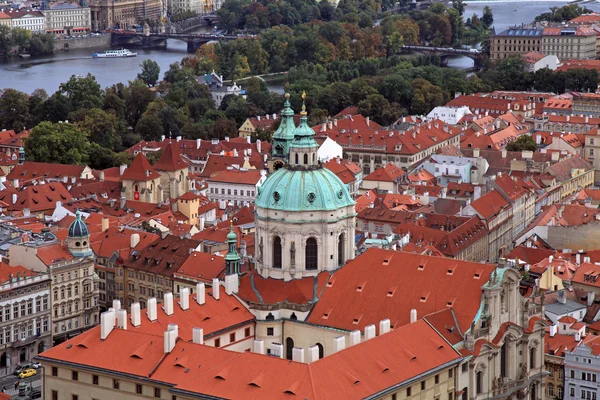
point(22, 367)
point(36, 365)
point(27, 373)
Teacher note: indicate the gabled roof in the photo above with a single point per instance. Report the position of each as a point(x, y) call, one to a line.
point(202, 266)
point(387, 173)
point(140, 170)
point(490, 204)
point(249, 177)
point(343, 303)
point(38, 198)
point(163, 256)
point(171, 160)
point(30, 170)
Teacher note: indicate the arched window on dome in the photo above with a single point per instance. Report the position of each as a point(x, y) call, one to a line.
point(341, 258)
point(311, 254)
point(296, 158)
point(314, 155)
point(277, 252)
point(306, 159)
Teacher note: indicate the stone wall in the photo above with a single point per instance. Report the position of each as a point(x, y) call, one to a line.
point(586, 237)
point(82, 43)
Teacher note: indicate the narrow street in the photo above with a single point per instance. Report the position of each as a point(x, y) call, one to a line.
point(9, 382)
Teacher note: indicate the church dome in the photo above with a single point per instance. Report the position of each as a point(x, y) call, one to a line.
point(78, 228)
point(303, 190)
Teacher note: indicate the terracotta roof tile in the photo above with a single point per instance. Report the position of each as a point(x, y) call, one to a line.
point(171, 160)
point(140, 170)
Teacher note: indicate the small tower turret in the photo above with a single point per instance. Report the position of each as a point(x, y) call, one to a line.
point(78, 239)
point(233, 258)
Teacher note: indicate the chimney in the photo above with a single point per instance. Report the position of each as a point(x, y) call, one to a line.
point(339, 343)
point(151, 312)
point(232, 283)
point(538, 139)
point(198, 335)
point(330, 124)
point(168, 303)
point(14, 198)
point(198, 143)
point(123, 202)
point(258, 346)
point(200, 293)
point(590, 298)
point(258, 146)
point(578, 259)
point(313, 354)
point(413, 315)
point(107, 324)
point(553, 330)
point(298, 354)
point(105, 224)
point(577, 337)
point(384, 326)
point(162, 138)
point(368, 121)
point(173, 327)
point(170, 339)
point(178, 138)
point(184, 298)
point(227, 138)
point(562, 297)
point(277, 348)
point(116, 304)
point(201, 224)
point(122, 319)
point(369, 332)
point(26, 212)
point(101, 177)
point(555, 156)
point(215, 288)
point(248, 139)
point(134, 240)
point(136, 319)
point(475, 153)
point(122, 169)
point(354, 338)
point(503, 153)
point(16, 183)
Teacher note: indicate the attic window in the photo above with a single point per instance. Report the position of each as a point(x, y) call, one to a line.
point(424, 297)
point(326, 314)
point(421, 267)
point(253, 384)
point(392, 291)
point(360, 287)
point(289, 392)
point(357, 319)
point(219, 377)
point(477, 274)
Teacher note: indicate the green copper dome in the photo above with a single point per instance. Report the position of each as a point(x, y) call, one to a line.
point(316, 189)
point(304, 136)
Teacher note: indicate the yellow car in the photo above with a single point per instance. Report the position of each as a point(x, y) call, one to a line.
point(27, 373)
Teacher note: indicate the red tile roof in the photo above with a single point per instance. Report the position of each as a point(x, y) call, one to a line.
point(8, 272)
point(356, 372)
point(356, 297)
point(171, 160)
point(30, 170)
point(117, 239)
point(140, 170)
point(38, 198)
point(387, 173)
point(163, 256)
point(256, 289)
point(53, 254)
point(202, 266)
point(490, 204)
point(249, 177)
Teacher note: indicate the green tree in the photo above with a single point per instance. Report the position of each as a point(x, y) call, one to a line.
point(100, 157)
point(101, 128)
point(14, 110)
point(138, 97)
point(20, 38)
point(154, 157)
point(459, 5)
point(5, 39)
point(237, 109)
point(150, 72)
point(82, 92)
point(122, 158)
point(523, 142)
point(59, 143)
point(488, 17)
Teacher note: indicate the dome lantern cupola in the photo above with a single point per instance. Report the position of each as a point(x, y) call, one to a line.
point(303, 150)
point(78, 238)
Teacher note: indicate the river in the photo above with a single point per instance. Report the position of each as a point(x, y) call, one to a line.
point(49, 72)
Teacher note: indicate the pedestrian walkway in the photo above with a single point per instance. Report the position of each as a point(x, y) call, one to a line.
point(34, 384)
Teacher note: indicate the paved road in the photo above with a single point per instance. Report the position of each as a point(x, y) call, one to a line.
point(9, 382)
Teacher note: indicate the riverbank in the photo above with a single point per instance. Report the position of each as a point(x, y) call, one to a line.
point(86, 42)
